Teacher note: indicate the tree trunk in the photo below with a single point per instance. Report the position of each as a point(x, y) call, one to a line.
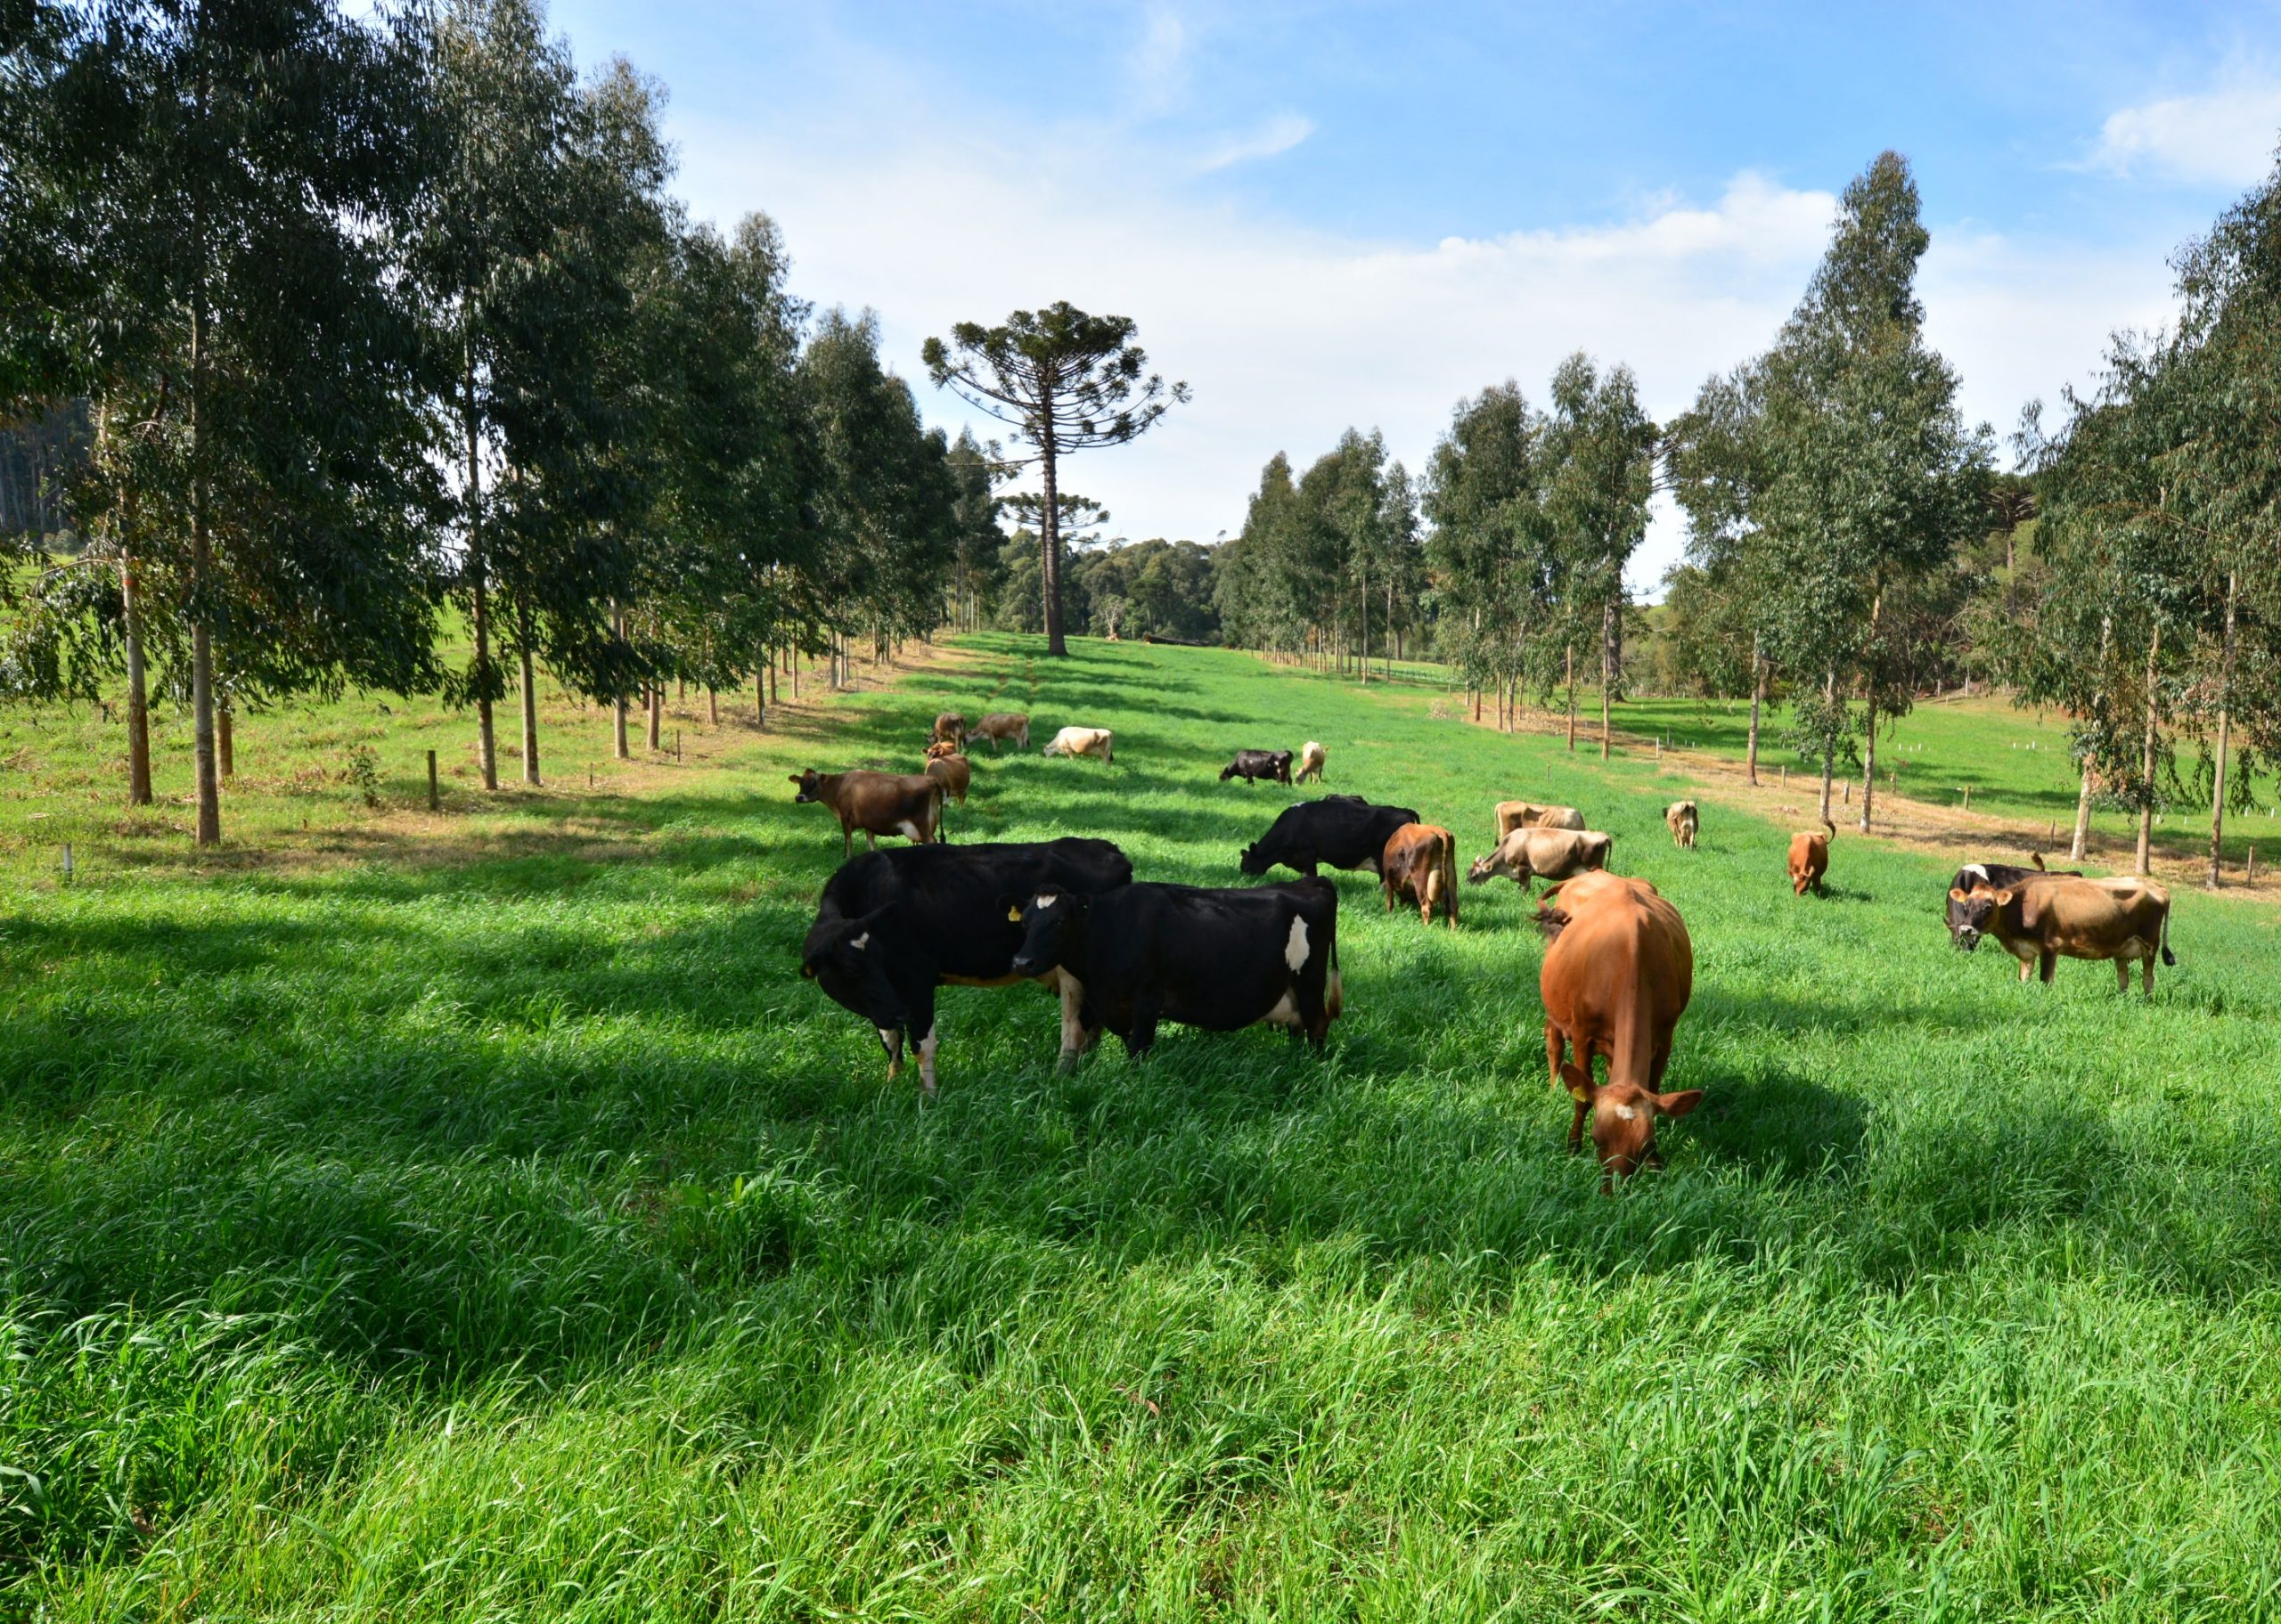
point(488, 740)
point(1828, 747)
point(657, 712)
point(2083, 800)
point(225, 746)
point(760, 681)
point(2225, 728)
point(1570, 657)
point(1050, 537)
point(1394, 638)
point(1757, 698)
point(1611, 662)
point(530, 706)
point(618, 705)
point(2146, 760)
point(1363, 648)
point(713, 705)
point(201, 547)
point(1870, 692)
point(138, 697)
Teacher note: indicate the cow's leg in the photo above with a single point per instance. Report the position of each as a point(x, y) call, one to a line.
point(1075, 1038)
point(2122, 973)
point(1140, 1037)
point(1555, 1051)
point(1576, 1126)
point(922, 1033)
point(2045, 962)
point(891, 1040)
point(846, 841)
point(2146, 971)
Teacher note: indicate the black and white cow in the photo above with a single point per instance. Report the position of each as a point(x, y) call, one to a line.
point(1997, 877)
point(1253, 765)
point(1220, 960)
point(1344, 831)
point(893, 926)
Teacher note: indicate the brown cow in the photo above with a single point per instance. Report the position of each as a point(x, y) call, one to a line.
point(1552, 911)
point(2121, 920)
point(1682, 820)
point(1002, 724)
point(1420, 862)
point(1525, 854)
point(943, 762)
point(1810, 857)
point(1312, 756)
point(906, 804)
point(950, 725)
point(1615, 980)
point(1528, 814)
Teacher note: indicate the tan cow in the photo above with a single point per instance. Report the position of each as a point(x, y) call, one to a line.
point(1810, 857)
point(1002, 724)
point(1526, 854)
point(1420, 862)
point(1682, 820)
point(1615, 980)
point(2056, 916)
point(905, 804)
point(1528, 814)
point(1312, 756)
point(944, 761)
point(950, 725)
point(1084, 741)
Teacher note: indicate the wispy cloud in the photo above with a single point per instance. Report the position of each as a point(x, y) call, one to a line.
point(1157, 65)
point(2222, 136)
point(1279, 133)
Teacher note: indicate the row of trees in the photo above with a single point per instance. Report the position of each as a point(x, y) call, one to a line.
point(380, 317)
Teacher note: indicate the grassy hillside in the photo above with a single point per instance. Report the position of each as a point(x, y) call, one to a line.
point(477, 1217)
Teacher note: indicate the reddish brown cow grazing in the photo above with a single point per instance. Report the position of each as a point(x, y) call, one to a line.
point(950, 725)
point(1012, 725)
point(944, 762)
point(906, 804)
point(1615, 980)
point(1810, 857)
point(1421, 862)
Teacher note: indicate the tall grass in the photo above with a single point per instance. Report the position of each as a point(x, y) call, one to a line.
point(520, 1237)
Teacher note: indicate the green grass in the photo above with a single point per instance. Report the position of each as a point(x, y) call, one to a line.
point(499, 1228)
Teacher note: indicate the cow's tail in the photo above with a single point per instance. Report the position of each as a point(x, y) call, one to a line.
point(2169, 957)
point(1335, 999)
point(935, 805)
point(1449, 877)
point(2036, 859)
point(1832, 828)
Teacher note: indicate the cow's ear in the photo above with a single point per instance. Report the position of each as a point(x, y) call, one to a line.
point(1579, 1081)
point(1957, 894)
point(2004, 898)
point(1678, 1103)
point(796, 777)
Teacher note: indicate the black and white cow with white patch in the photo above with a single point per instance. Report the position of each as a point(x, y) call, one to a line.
point(1220, 960)
point(1996, 877)
point(893, 926)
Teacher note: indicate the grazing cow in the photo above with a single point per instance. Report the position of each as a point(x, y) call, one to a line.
point(891, 927)
point(2039, 922)
point(905, 804)
point(1253, 765)
point(1615, 979)
point(1084, 741)
point(1312, 756)
point(1682, 820)
point(1421, 863)
point(1810, 857)
point(1002, 724)
point(1525, 854)
point(1344, 831)
point(1220, 960)
point(943, 762)
point(1527, 814)
point(951, 726)
point(1996, 877)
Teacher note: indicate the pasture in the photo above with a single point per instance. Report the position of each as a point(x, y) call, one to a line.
point(493, 1224)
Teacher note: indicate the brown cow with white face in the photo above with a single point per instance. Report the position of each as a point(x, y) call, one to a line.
point(905, 804)
point(1615, 979)
point(1527, 855)
point(1530, 815)
point(1810, 857)
point(1420, 862)
point(2053, 916)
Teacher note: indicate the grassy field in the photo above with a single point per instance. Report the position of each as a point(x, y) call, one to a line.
point(476, 1216)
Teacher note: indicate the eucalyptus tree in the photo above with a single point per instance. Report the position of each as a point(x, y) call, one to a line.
point(1714, 461)
point(1487, 540)
point(1601, 449)
point(1247, 580)
point(975, 473)
point(1063, 381)
point(233, 303)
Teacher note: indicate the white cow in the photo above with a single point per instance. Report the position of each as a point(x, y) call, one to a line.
point(1084, 741)
point(1542, 853)
point(1312, 756)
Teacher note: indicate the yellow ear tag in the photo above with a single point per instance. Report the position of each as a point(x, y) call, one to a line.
point(1579, 1095)
point(1013, 916)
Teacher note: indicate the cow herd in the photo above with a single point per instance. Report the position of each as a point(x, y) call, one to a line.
point(1126, 955)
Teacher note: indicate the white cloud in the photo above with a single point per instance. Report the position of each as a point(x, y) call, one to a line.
point(2224, 136)
point(1279, 133)
point(1290, 334)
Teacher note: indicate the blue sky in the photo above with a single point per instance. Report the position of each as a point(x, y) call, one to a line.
point(1336, 214)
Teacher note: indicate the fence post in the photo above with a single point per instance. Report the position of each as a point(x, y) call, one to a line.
point(66, 862)
point(434, 801)
point(1968, 797)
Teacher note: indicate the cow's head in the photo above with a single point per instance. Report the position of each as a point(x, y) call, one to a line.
point(848, 959)
point(1252, 860)
point(1623, 1119)
point(1971, 913)
point(940, 748)
point(1227, 773)
point(811, 784)
point(1488, 867)
point(1046, 920)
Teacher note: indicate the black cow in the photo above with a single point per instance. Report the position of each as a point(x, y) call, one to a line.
point(1253, 765)
point(893, 926)
point(1219, 959)
point(1997, 876)
point(1344, 831)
